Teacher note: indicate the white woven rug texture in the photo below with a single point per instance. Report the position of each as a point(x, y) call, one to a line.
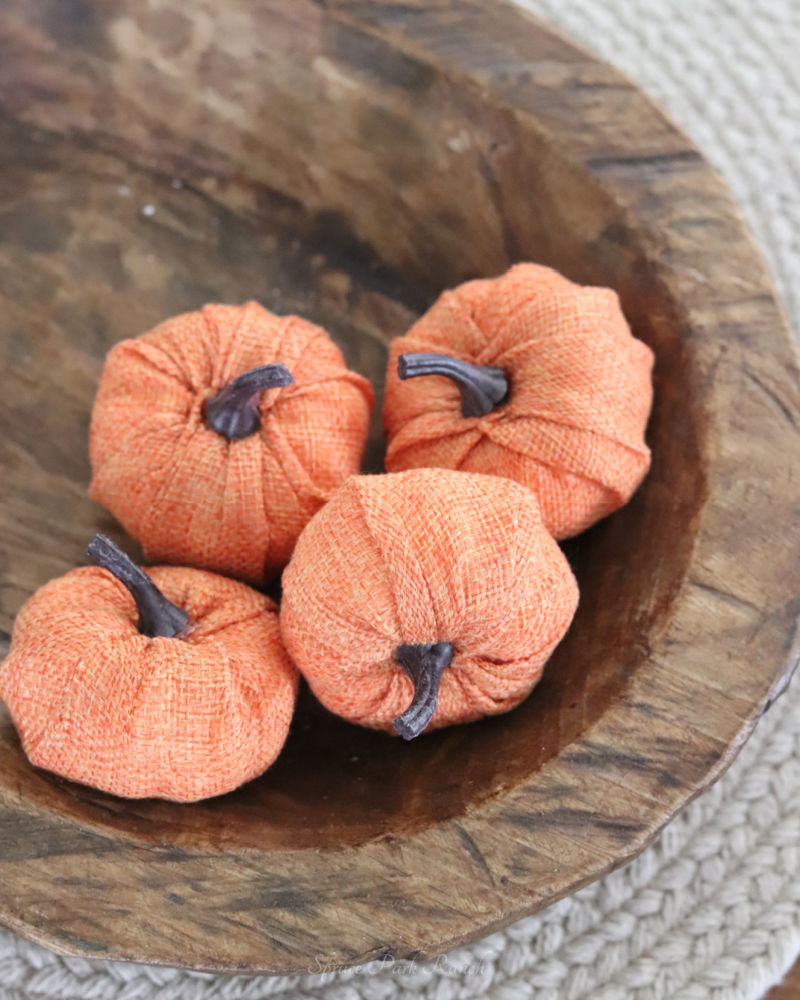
point(712, 910)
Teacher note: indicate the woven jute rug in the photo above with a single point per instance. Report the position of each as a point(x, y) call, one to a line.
point(712, 910)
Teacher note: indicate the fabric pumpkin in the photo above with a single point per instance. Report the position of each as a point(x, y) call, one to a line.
point(536, 379)
point(425, 598)
point(216, 436)
point(113, 685)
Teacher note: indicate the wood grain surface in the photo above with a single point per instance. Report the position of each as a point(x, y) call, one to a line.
point(348, 160)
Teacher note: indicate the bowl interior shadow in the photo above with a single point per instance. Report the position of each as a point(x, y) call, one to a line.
point(99, 247)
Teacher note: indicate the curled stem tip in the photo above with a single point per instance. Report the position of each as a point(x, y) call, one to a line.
point(157, 615)
point(482, 387)
point(233, 411)
point(424, 663)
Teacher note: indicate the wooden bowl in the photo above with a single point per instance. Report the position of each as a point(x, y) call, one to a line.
point(348, 160)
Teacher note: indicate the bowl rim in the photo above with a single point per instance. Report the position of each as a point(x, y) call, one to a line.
point(605, 815)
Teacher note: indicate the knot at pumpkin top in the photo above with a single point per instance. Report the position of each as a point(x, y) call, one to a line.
point(188, 493)
point(178, 718)
point(422, 558)
point(571, 425)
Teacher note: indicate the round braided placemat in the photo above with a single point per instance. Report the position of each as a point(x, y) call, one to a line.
point(712, 910)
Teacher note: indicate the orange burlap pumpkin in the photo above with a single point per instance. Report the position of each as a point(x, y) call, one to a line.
point(555, 395)
point(421, 583)
point(193, 708)
point(291, 426)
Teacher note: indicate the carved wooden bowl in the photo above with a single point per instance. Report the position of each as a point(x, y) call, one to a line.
point(348, 160)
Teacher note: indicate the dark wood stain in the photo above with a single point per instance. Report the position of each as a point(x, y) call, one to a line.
point(376, 59)
point(74, 23)
point(34, 229)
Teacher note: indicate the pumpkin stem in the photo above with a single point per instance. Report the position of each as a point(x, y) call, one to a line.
point(482, 387)
point(233, 411)
point(157, 615)
point(424, 663)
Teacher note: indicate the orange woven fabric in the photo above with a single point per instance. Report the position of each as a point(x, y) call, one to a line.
point(188, 494)
point(580, 393)
point(425, 556)
point(183, 719)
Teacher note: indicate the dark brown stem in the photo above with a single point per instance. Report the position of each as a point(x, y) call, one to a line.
point(424, 664)
point(157, 615)
point(482, 387)
point(233, 411)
